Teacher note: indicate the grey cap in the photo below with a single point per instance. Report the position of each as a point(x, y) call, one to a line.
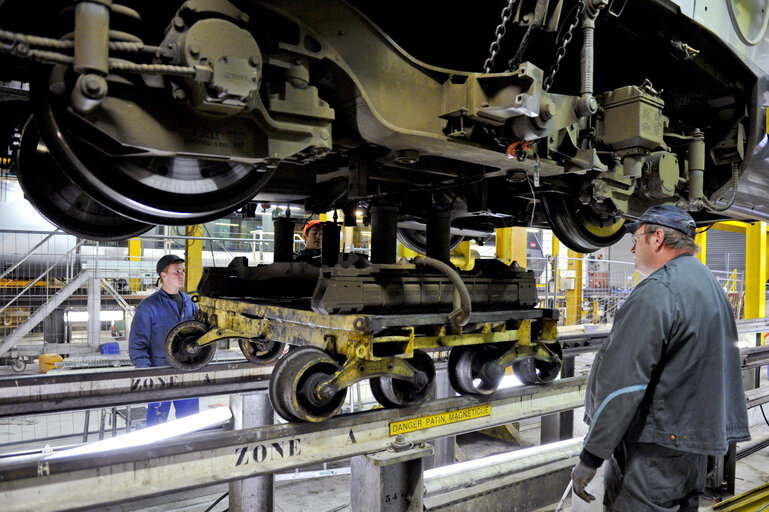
point(668, 216)
point(166, 260)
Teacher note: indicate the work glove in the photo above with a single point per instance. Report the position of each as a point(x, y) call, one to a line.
point(580, 477)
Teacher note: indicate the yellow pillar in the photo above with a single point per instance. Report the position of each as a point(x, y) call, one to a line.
point(511, 245)
point(134, 254)
point(702, 242)
point(555, 252)
point(193, 254)
point(574, 297)
point(755, 270)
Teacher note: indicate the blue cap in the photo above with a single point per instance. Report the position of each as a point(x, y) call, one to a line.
point(668, 216)
point(167, 260)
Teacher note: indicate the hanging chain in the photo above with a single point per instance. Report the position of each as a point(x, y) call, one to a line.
point(564, 43)
point(499, 34)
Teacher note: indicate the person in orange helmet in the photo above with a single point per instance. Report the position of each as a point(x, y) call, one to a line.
point(312, 240)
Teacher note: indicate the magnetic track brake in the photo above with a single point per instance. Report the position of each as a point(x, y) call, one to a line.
point(389, 348)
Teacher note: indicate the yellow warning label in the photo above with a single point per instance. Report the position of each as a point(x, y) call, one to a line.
point(436, 420)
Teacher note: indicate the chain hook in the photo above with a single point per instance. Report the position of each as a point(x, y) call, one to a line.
point(499, 34)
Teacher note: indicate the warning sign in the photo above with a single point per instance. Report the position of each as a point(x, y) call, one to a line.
point(436, 420)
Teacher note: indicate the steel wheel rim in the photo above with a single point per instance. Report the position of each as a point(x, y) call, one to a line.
point(176, 346)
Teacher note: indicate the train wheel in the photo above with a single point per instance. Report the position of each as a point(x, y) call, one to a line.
point(402, 393)
point(470, 373)
point(174, 190)
point(62, 202)
point(260, 351)
point(294, 380)
point(537, 371)
point(578, 226)
point(182, 349)
point(278, 376)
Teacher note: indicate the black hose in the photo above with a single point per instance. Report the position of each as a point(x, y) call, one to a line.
point(735, 182)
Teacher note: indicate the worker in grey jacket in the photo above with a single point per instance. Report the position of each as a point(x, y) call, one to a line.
point(665, 390)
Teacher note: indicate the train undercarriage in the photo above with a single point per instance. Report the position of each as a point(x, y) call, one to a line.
point(584, 114)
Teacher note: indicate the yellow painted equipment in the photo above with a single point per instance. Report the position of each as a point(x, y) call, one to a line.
point(48, 362)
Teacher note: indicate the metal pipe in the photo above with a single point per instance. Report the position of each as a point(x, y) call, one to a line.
point(472, 473)
point(461, 314)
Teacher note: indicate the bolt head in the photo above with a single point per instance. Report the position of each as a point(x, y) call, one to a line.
point(178, 23)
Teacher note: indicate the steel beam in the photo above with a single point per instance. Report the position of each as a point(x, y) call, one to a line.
point(79, 390)
point(27, 483)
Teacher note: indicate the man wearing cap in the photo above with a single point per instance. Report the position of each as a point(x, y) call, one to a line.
point(312, 239)
point(154, 317)
point(665, 389)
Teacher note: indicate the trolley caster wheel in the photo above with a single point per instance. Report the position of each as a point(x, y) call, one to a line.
point(261, 352)
point(391, 392)
point(182, 349)
point(18, 365)
point(471, 371)
point(292, 383)
point(536, 371)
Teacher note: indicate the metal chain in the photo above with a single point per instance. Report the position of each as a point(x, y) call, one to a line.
point(564, 43)
point(499, 33)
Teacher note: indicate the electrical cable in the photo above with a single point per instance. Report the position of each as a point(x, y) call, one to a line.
point(743, 37)
point(217, 502)
point(533, 200)
point(735, 182)
point(705, 230)
point(761, 406)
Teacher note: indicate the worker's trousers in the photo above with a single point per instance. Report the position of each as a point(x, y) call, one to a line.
point(643, 477)
point(157, 412)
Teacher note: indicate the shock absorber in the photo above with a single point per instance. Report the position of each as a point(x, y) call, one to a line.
point(93, 40)
point(91, 59)
point(696, 166)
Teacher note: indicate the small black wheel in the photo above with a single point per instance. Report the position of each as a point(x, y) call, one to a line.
point(260, 351)
point(402, 393)
point(293, 382)
point(182, 349)
point(537, 371)
point(472, 371)
point(375, 384)
point(18, 365)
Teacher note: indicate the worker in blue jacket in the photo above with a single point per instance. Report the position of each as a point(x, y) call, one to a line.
point(665, 390)
point(154, 318)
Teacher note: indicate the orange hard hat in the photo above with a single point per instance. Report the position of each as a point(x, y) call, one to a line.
point(309, 225)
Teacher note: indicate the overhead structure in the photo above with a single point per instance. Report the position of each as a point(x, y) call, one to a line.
point(179, 114)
